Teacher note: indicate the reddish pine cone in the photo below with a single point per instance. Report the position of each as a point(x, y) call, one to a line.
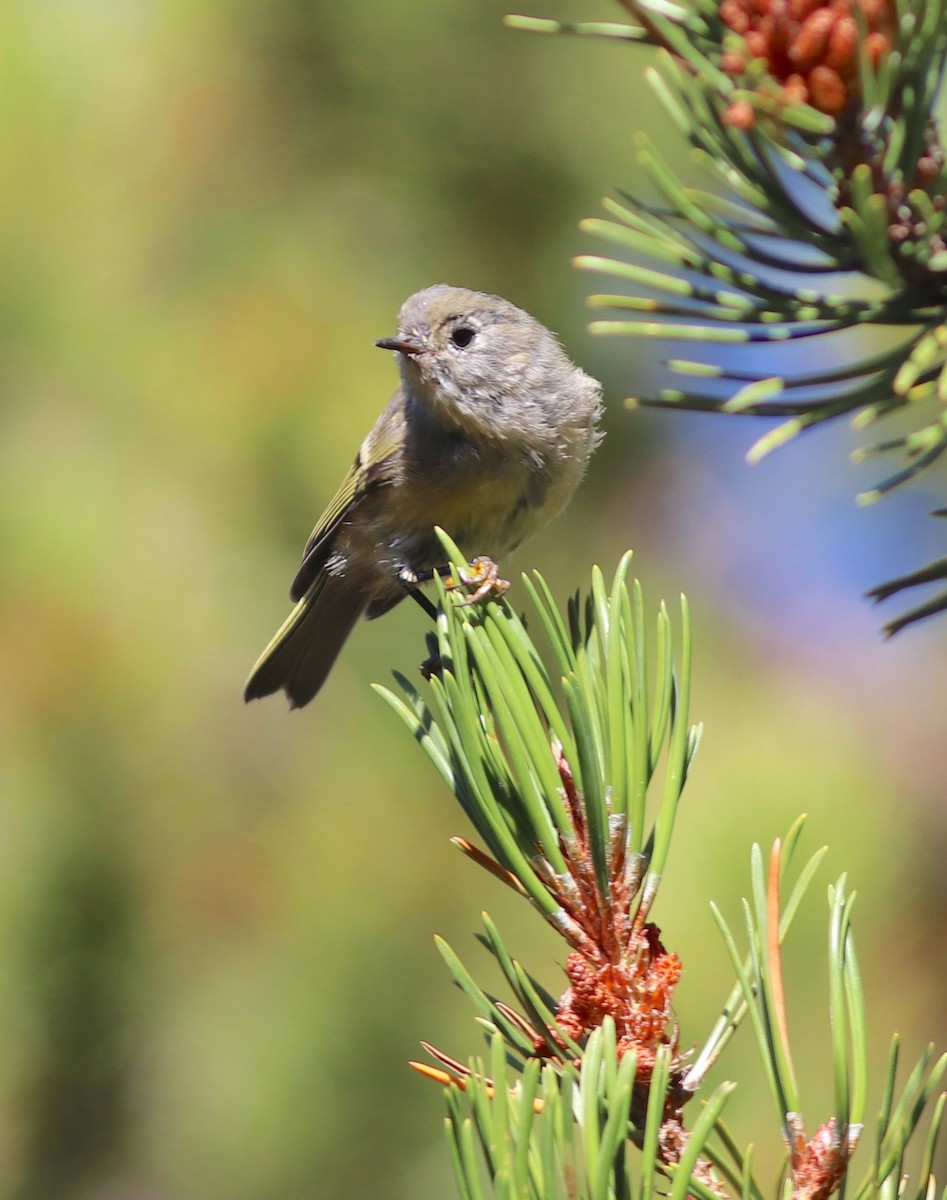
point(810, 47)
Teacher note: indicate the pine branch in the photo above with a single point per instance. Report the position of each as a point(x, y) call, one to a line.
point(814, 120)
point(572, 776)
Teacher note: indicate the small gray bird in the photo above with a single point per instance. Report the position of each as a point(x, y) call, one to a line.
point(488, 436)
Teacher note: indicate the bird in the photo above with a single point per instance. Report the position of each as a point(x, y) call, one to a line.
point(487, 436)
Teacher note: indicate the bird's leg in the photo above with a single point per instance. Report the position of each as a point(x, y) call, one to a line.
point(411, 582)
point(484, 578)
point(425, 603)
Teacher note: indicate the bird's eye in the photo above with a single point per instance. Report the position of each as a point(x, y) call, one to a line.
point(462, 336)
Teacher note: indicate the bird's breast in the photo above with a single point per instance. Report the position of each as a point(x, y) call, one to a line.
point(489, 501)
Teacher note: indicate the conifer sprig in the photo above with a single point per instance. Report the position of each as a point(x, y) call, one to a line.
point(824, 223)
point(572, 775)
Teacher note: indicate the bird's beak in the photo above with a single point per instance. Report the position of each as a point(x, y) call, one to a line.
point(404, 345)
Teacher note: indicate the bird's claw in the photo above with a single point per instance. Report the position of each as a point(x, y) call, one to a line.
point(431, 667)
point(483, 575)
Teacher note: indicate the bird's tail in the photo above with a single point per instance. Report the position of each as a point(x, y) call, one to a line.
point(300, 656)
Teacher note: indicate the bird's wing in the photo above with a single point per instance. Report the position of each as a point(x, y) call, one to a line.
point(381, 452)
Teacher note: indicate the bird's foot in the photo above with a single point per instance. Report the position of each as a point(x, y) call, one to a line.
point(431, 668)
point(483, 576)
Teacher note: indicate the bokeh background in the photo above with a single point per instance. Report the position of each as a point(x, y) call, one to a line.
point(216, 920)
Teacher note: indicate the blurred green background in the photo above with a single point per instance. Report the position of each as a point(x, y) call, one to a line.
point(216, 920)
